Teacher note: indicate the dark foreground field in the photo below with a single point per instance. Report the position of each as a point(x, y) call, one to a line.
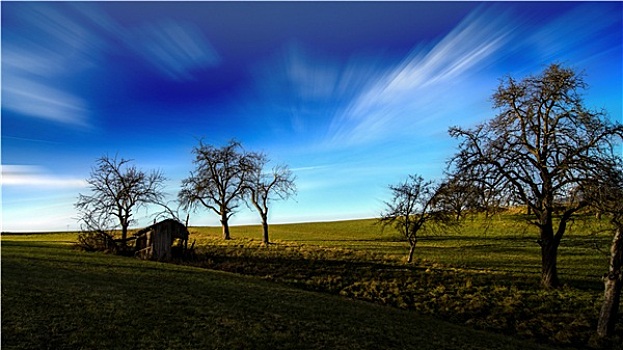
point(335, 285)
point(54, 297)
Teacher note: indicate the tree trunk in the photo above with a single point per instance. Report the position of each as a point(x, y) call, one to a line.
point(612, 291)
point(124, 232)
point(549, 248)
point(124, 235)
point(225, 225)
point(265, 228)
point(549, 270)
point(549, 256)
point(411, 250)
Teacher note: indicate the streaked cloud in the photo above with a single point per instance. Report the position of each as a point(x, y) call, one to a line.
point(309, 87)
point(414, 91)
point(317, 77)
point(433, 83)
point(37, 99)
point(92, 12)
point(310, 168)
point(34, 70)
point(35, 176)
point(52, 48)
point(175, 48)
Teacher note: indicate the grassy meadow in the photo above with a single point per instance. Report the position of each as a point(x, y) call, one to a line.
point(307, 290)
point(505, 243)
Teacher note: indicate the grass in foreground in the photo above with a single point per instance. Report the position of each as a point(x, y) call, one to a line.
point(57, 298)
point(484, 299)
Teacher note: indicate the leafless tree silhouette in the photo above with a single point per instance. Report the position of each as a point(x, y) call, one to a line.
point(263, 187)
point(413, 209)
point(219, 179)
point(118, 189)
point(539, 147)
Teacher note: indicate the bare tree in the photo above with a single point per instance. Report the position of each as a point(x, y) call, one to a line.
point(263, 187)
point(413, 209)
point(117, 190)
point(458, 196)
point(604, 193)
point(489, 187)
point(219, 179)
point(538, 146)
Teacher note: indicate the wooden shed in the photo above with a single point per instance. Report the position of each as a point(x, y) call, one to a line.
point(156, 241)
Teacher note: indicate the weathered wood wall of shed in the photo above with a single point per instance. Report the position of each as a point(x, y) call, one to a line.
point(161, 243)
point(155, 241)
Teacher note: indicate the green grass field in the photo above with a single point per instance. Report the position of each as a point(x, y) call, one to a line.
point(506, 243)
point(56, 297)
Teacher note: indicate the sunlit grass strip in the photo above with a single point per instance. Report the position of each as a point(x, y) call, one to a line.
point(505, 243)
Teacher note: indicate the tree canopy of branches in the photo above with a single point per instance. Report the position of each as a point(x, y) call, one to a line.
point(262, 187)
point(117, 190)
point(413, 209)
point(538, 149)
point(218, 182)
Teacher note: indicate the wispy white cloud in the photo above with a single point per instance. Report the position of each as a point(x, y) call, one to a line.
point(36, 64)
point(412, 93)
point(51, 47)
point(300, 89)
point(435, 82)
point(35, 176)
point(37, 99)
point(316, 78)
point(310, 168)
point(98, 18)
point(175, 48)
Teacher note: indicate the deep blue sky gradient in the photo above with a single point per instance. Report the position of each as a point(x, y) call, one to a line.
point(352, 96)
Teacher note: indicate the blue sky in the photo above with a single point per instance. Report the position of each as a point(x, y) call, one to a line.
point(353, 96)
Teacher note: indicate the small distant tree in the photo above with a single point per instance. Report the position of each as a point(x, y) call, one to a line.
point(539, 146)
point(413, 209)
point(218, 182)
point(487, 187)
point(458, 197)
point(118, 189)
point(263, 187)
